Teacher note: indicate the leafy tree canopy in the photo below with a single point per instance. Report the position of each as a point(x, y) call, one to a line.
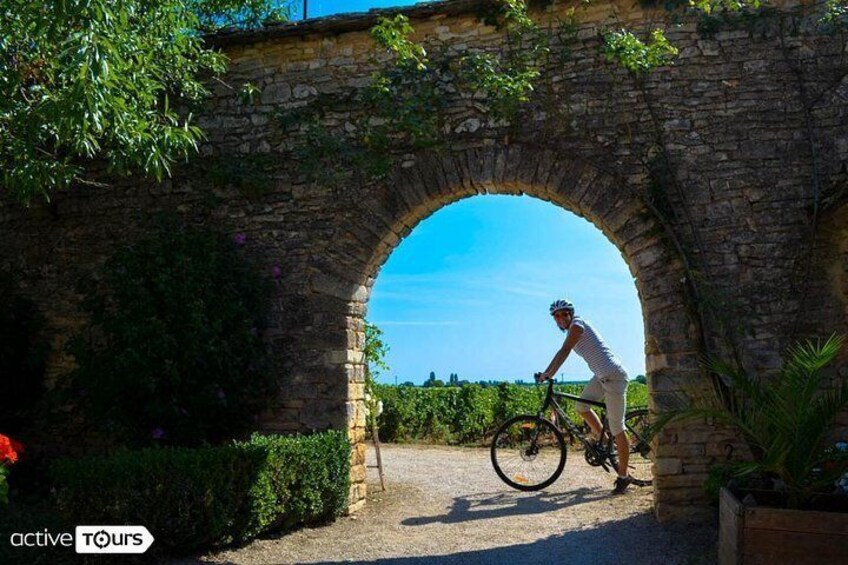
point(100, 79)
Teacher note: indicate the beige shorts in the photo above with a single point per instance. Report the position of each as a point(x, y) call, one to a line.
point(613, 390)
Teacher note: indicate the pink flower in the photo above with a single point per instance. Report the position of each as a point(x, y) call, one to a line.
point(276, 272)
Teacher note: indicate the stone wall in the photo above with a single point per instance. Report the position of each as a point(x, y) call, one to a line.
point(753, 123)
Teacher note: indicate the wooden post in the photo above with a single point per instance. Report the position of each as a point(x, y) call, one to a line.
point(375, 435)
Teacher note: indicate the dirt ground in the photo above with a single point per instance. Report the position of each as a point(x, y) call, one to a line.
point(445, 505)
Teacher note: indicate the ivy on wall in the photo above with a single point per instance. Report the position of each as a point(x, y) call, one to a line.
point(405, 104)
point(635, 55)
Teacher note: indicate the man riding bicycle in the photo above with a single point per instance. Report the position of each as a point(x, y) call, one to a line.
point(609, 381)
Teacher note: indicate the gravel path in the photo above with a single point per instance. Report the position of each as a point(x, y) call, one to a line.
point(445, 505)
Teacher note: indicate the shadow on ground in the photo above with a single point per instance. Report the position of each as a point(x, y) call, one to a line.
point(498, 505)
point(637, 539)
point(612, 542)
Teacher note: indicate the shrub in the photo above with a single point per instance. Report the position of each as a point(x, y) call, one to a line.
point(474, 418)
point(417, 413)
point(191, 498)
point(22, 358)
point(467, 414)
point(174, 354)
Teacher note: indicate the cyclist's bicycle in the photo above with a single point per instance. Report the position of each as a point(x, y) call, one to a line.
point(528, 452)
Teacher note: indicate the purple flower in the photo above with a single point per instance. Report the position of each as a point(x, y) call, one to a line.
point(221, 395)
point(254, 332)
point(240, 239)
point(276, 272)
point(158, 433)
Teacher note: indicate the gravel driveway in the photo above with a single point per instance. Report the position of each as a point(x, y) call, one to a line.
point(445, 505)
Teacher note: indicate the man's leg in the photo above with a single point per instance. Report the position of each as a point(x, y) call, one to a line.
point(594, 422)
point(593, 391)
point(622, 446)
point(616, 401)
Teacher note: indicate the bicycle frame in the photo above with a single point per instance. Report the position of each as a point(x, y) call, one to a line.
point(603, 450)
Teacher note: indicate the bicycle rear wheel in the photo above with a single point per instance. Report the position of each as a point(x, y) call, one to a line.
point(528, 453)
point(641, 457)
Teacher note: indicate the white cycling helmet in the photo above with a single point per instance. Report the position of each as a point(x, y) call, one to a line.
point(562, 305)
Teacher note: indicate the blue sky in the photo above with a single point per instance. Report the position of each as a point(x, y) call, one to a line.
point(468, 291)
point(317, 8)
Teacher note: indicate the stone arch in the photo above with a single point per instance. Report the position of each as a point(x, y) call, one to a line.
point(377, 219)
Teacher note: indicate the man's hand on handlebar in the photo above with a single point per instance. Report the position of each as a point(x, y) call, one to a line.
point(541, 377)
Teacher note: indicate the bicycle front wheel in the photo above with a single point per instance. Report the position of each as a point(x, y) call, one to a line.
point(528, 453)
point(641, 457)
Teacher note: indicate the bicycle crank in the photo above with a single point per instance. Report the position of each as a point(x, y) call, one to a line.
point(595, 457)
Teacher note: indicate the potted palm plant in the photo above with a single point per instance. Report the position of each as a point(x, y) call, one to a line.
point(787, 421)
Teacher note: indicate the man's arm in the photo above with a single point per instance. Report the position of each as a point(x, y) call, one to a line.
point(574, 334)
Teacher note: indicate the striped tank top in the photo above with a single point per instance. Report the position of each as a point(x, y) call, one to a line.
point(594, 351)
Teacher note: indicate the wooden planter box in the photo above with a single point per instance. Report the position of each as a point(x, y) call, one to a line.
point(757, 534)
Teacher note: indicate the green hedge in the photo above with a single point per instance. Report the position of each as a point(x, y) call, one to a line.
point(467, 414)
point(194, 498)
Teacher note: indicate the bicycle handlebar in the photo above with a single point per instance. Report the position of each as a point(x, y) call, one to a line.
point(550, 392)
point(537, 375)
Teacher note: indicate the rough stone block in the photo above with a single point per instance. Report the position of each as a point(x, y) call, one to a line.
point(667, 467)
point(684, 514)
